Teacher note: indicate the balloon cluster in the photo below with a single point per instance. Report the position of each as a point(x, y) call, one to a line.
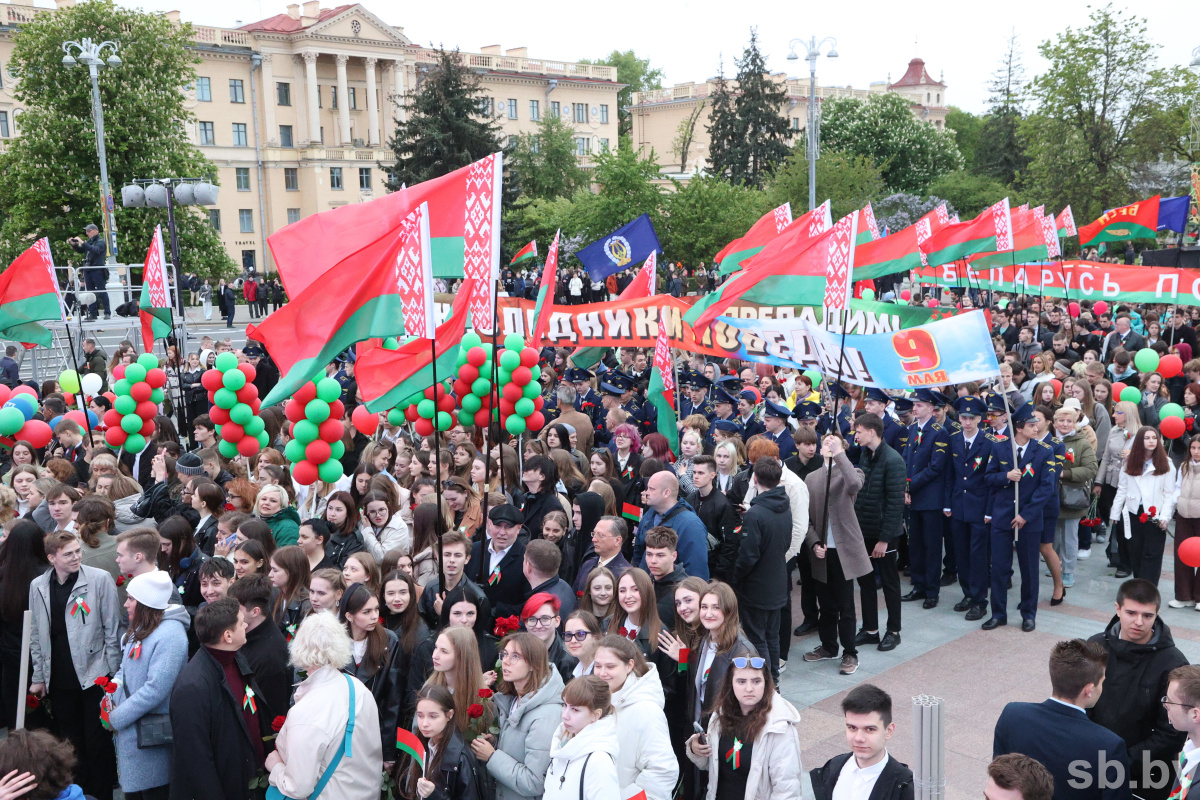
point(16, 416)
point(72, 382)
point(520, 393)
point(424, 410)
point(139, 390)
point(473, 386)
point(235, 407)
point(315, 412)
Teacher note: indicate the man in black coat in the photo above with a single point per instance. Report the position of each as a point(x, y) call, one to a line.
point(869, 726)
point(540, 476)
point(266, 649)
point(718, 515)
point(1141, 654)
point(760, 572)
point(95, 253)
point(505, 584)
point(215, 712)
point(880, 511)
point(661, 542)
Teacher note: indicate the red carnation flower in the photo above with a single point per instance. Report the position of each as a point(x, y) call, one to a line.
point(101, 681)
point(475, 711)
point(382, 621)
point(1153, 511)
point(277, 723)
point(1189, 423)
point(623, 631)
point(120, 580)
point(579, 594)
point(485, 693)
point(1142, 517)
point(32, 701)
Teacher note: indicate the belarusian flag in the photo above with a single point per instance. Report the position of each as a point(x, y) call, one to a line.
point(839, 268)
point(1028, 242)
point(154, 306)
point(899, 252)
point(464, 228)
point(1050, 234)
point(525, 253)
point(868, 228)
point(795, 239)
point(645, 282)
point(545, 299)
point(661, 390)
point(1066, 222)
point(631, 512)
point(1136, 221)
point(415, 279)
point(407, 742)
point(990, 232)
point(769, 226)
point(388, 377)
point(28, 294)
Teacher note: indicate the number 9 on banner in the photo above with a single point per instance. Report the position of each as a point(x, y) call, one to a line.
point(916, 349)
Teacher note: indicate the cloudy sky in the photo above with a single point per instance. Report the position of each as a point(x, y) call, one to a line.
point(686, 38)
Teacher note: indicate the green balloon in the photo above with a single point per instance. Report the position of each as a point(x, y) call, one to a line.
point(536, 372)
point(121, 387)
point(462, 357)
point(481, 387)
point(68, 380)
point(515, 425)
point(241, 414)
point(317, 410)
point(523, 407)
point(1002, 303)
point(337, 449)
point(149, 361)
point(305, 431)
point(156, 395)
point(12, 420)
point(465, 417)
point(868, 294)
point(226, 361)
point(1132, 394)
point(1171, 410)
point(227, 449)
point(125, 405)
point(503, 376)
point(135, 373)
point(135, 443)
point(514, 342)
point(531, 390)
point(1146, 360)
point(813, 376)
point(427, 408)
point(413, 399)
point(233, 379)
point(263, 440)
point(328, 390)
point(390, 343)
point(510, 360)
point(330, 471)
point(471, 404)
point(396, 416)
point(471, 340)
point(131, 423)
point(293, 451)
point(444, 421)
point(254, 426)
point(224, 398)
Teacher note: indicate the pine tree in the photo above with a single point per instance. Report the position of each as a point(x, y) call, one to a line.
point(1001, 152)
point(448, 125)
point(722, 127)
point(761, 137)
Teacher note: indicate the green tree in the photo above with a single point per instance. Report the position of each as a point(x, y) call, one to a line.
point(749, 128)
point(848, 181)
point(966, 128)
point(1001, 153)
point(705, 214)
point(685, 135)
point(722, 125)
point(49, 176)
point(543, 165)
point(447, 125)
point(967, 192)
point(909, 153)
point(637, 75)
point(627, 189)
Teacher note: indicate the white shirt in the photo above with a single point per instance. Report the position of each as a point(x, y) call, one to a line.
point(707, 655)
point(857, 784)
point(1068, 705)
point(580, 670)
point(496, 556)
point(1191, 756)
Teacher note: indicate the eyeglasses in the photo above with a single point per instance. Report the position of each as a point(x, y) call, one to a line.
point(1167, 702)
point(508, 655)
point(578, 636)
point(539, 622)
point(755, 662)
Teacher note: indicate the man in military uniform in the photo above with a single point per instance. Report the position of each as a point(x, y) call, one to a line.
point(876, 402)
point(1053, 506)
point(610, 398)
point(997, 416)
point(747, 400)
point(904, 413)
point(925, 460)
point(586, 399)
point(695, 398)
point(809, 415)
point(951, 426)
point(345, 378)
point(970, 452)
point(723, 429)
point(775, 418)
point(1030, 479)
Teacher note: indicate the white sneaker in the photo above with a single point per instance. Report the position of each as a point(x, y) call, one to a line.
point(1180, 604)
point(1084, 554)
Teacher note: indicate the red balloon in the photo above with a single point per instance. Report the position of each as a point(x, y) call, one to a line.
point(306, 393)
point(932, 303)
point(112, 418)
point(36, 432)
point(248, 368)
point(535, 421)
point(293, 409)
point(1171, 427)
point(511, 392)
point(305, 473)
point(468, 374)
point(156, 377)
point(538, 402)
point(366, 422)
point(232, 432)
point(218, 415)
point(248, 446)
point(905, 295)
point(506, 407)
point(461, 388)
point(1073, 308)
point(317, 452)
point(522, 375)
point(23, 389)
point(147, 428)
point(211, 380)
point(247, 393)
point(255, 406)
point(477, 357)
point(140, 391)
point(5, 394)
point(337, 410)
point(423, 427)
point(1117, 388)
point(1189, 551)
point(446, 404)
point(112, 398)
point(69, 398)
point(410, 413)
point(529, 357)
point(1170, 365)
point(482, 418)
point(115, 436)
point(118, 372)
point(1057, 386)
point(1100, 306)
point(76, 416)
point(147, 410)
point(330, 431)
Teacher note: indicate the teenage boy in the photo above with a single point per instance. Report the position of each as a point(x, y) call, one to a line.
point(1183, 710)
point(661, 542)
point(1013, 776)
point(456, 554)
point(70, 438)
point(266, 650)
point(868, 770)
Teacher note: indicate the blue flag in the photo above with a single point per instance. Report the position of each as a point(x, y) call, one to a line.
point(628, 245)
point(1172, 213)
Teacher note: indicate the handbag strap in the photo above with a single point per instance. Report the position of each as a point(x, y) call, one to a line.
point(344, 749)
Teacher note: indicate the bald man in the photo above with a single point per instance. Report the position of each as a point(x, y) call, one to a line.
point(665, 508)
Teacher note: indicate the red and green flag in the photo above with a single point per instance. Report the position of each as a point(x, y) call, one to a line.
point(661, 389)
point(545, 298)
point(526, 253)
point(631, 512)
point(795, 239)
point(1028, 242)
point(769, 225)
point(29, 295)
point(154, 305)
point(1065, 222)
point(899, 252)
point(990, 232)
point(1136, 221)
point(868, 228)
point(407, 742)
point(645, 282)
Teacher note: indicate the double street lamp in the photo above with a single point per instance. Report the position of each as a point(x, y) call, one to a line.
point(813, 50)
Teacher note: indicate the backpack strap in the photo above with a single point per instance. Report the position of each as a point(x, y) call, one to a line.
point(344, 749)
point(582, 774)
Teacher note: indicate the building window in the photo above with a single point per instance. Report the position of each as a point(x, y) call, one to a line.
point(204, 90)
point(4, 124)
point(928, 96)
point(535, 110)
point(207, 136)
point(512, 142)
point(555, 109)
point(512, 108)
point(487, 106)
point(335, 178)
point(237, 92)
point(535, 145)
point(246, 220)
point(603, 113)
point(604, 145)
point(283, 94)
point(353, 98)
point(239, 134)
point(364, 179)
point(333, 97)
point(285, 136)
point(248, 260)
point(583, 146)
point(243, 178)
point(939, 98)
point(293, 215)
point(580, 112)
point(214, 219)
point(319, 105)
point(291, 179)
point(795, 123)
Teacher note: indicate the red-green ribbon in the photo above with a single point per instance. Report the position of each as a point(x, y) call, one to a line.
point(80, 606)
point(248, 701)
point(734, 754)
point(494, 578)
point(684, 654)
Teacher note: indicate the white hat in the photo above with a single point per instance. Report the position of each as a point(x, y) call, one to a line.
point(1073, 403)
point(152, 589)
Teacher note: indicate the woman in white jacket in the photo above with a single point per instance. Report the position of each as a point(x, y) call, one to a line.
point(583, 753)
point(753, 738)
point(647, 761)
point(1145, 501)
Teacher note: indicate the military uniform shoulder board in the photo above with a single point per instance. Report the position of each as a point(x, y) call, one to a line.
point(1046, 446)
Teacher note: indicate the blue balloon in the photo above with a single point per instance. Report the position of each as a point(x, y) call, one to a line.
point(54, 422)
point(25, 404)
point(93, 420)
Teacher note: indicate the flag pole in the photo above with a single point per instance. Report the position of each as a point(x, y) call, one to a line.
point(439, 526)
point(180, 354)
point(487, 462)
point(1012, 438)
point(87, 423)
point(834, 429)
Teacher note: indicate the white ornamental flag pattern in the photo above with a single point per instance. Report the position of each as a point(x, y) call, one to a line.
point(1068, 221)
point(869, 218)
point(839, 267)
point(154, 273)
point(783, 217)
point(662, 359)
point(924, 231)
point(414, 274)
point(1002, 219)
point(943, 216)
point(821, 221)
point(1050, 236)
point(481, 237)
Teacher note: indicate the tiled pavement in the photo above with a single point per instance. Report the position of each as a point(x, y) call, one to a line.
point(975, 672)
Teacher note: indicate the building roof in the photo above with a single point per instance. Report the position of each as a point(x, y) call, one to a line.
point(283, 23)
point(916, 75)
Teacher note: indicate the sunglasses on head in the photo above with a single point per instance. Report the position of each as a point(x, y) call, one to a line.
point(755, 662)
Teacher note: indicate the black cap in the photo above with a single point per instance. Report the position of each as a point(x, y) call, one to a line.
point(506, 513)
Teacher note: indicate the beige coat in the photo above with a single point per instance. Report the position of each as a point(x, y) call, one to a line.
point(775, 769)
point(582, 424)
point(844, 486)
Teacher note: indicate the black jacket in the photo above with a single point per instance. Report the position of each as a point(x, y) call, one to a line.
point(714, 680)
point(880, 502)
point(508, 590)
point(535, 509)
point(387, 685)
point(664, 593)
point(460, 776)
point(339, 547)
point(760, 572)
point(144, 474)
point(433, 589)
point(722, 522)
point(94, 249)
point(1129, 706)
point(563, 661)
point(213, 753)
point(206, 536)
point(266, 653)
point(894, 783)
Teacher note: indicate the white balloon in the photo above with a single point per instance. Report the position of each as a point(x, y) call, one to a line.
point(91, 384)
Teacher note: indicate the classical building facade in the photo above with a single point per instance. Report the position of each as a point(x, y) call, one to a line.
point(296, 110)
point(659, 113)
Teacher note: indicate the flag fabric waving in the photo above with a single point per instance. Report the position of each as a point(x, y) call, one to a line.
point(795, 239)
point(545, 298)
point(1028, 242)
point(899, 251)
point(28, 295)
point(645, 283)
point(868, 228)
point(154, 306)
point(1050, 235)
point(769, 225)
point(990, 232)
point(839, 268)
point(661, 389)
point(407, 742)
point(1065, 221)
point(631, 242)
point(1135, 221)
point(525, 253)
point(414, 265)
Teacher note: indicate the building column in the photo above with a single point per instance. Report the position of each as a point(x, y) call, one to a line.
point(300, 98)
point(314, 116)
point(269, 100)
point(398, 90)
point(343, 100)
point(372, 104)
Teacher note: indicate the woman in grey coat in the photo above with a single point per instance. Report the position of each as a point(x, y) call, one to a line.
point(528, 704)
point(153, 653)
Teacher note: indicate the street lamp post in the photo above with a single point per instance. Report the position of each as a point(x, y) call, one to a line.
point(90, 53)
point(812, 134)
